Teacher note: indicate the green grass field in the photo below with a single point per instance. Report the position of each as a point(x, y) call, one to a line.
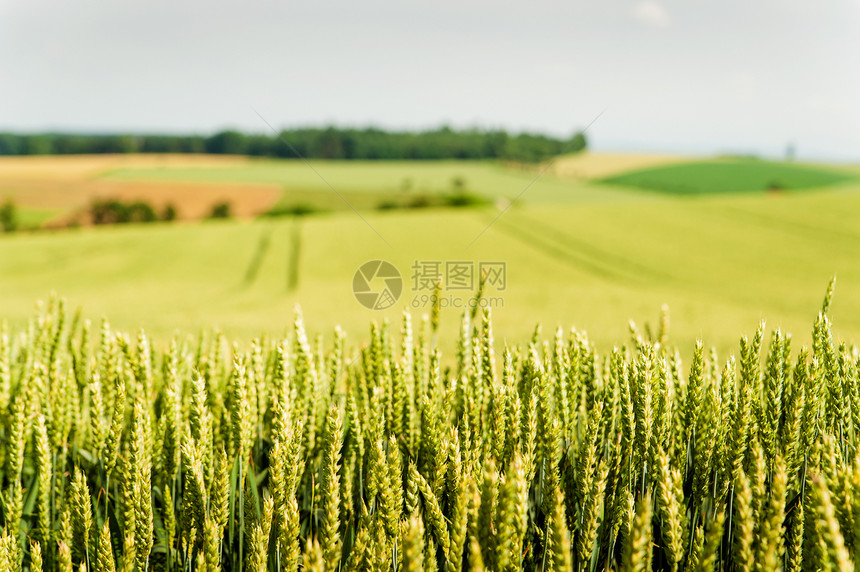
point(586, 255)
point(730, 176)
point(366, 184)
point(30, 218)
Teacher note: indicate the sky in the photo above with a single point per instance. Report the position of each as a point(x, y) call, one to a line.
point(685, 76)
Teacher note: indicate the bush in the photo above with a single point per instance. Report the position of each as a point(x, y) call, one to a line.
point(112, 211)
point(464, 199)
point(298, 209)
point(8, 216)
point(169, 213)
point(388, 205)
point(109, 212)
point(420, 202)
point(220, 210)
point(458, 198)
point(140, 211)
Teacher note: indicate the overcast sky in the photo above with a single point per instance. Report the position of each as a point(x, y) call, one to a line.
point(673, 75)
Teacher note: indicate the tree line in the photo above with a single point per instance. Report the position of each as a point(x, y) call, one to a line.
point(311, 143)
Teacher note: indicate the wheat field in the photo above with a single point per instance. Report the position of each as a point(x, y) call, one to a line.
point(320, 454)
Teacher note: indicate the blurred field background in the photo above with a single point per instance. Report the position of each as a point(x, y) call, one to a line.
point(597, 240)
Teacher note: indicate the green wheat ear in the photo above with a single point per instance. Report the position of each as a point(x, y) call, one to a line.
point(257, 559)
point(432, 510)
point(64, 557)
point(330, 489)
point(45, 464)
point(211, 557)
point(828, 296)
point(36, 558)
point(8, 551)
point(314, 561)
point(82, 517)
point(391, 501)
point(669, 496)
point(277, 454)
point(558, 536)
point(743, 521)
point(713, 537)
point(638, 547)
point(105, 559)
point(771, 545)
point(412, 540)
point(831, 537)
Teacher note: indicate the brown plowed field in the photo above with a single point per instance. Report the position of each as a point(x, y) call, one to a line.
point(71, 183)
point(84, 167)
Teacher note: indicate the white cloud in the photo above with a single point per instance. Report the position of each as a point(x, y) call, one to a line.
point(652, 13)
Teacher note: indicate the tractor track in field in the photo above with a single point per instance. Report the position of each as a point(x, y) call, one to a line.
point(564, 239)
point(793, 228)
point(263, 247)
point(563, 253)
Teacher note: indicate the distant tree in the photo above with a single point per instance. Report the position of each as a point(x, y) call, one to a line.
point(108, 211)
point(260, 145)
point(155, 144)
point(327, 143)
point(128, 144)
point(75, 145)
point(227, 143)
point(8, 216)
point(169, 213)
point(577, 143)
point(495, 143)
point(112, 211)
point(10, 144)
point(220, 210)
point(37, 145)
point(141, 211)
point(171, 144)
